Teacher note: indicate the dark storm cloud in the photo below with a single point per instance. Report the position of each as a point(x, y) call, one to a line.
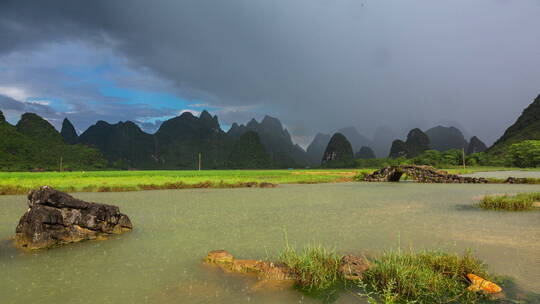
point(317, 64)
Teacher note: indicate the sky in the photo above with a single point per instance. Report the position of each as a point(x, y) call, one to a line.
point(317, 65)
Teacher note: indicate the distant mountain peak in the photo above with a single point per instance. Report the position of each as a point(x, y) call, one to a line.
point(68, 132)
point(205, 115)
point(526, 127)
point(35, 126)
point(2, 118)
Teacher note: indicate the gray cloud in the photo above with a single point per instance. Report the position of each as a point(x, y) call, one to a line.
point(317, 64)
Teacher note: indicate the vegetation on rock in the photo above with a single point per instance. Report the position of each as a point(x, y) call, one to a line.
point(315, 267)
point(424, 277)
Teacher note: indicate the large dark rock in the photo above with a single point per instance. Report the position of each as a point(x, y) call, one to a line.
point(56, 218)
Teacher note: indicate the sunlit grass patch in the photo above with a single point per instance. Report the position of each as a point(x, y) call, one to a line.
point(423, 277)
point(316, 267)
point(515, 202)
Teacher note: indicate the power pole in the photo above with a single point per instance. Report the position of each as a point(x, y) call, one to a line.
point(200, 161)
point(463, 150)
point(60, 163)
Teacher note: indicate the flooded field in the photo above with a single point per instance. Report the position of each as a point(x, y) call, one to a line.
point(160, 260)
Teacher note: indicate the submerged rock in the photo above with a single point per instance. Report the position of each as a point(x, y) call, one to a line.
point(56, 218)
point(353, 267)
point(275, 275)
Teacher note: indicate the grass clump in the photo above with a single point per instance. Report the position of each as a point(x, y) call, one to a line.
point(516, 202)
point(424, 277)
point(316, 267)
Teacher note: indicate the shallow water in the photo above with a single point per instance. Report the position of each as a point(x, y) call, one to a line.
point(506, 174)
point(160, 260)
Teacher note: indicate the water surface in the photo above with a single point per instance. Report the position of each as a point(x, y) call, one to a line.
point(160, 260)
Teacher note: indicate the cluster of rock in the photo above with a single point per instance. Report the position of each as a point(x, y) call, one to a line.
point(422, 174)
point(55, 218)
point(275, 274)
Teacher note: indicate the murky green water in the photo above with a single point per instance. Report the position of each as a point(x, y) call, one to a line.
point(160, 261)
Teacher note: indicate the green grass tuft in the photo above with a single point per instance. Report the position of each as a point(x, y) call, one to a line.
point(424, 277)
point(316, 267)
point(517, 202)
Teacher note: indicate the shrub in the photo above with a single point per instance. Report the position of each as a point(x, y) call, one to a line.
point(315, 267)
point(517, 202)
point(424, 277)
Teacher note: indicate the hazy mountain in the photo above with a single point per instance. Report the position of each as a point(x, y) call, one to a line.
point(339, 151)
point(276, 140)
point(476, 146)
point(123, 144)
point(417, 142)
point(316, 148)
point(180, 140)
point(382, 141)
point(356, 139)
point(398, 149)
point(446, 138)
point(249, 152)
point(526, 127)
point(68, 132)
point(35, 144)
point(365, 153)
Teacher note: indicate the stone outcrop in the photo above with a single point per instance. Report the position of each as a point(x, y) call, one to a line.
point(262, 269)
point(55, 218)
point(423, 174)
point(274, 275)
point(353, 267)
point(480, 284)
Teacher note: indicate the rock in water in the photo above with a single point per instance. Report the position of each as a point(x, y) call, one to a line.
point(480, 284)
point(56, 218)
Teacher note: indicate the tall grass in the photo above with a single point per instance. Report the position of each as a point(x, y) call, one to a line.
point(316, 267)
point(516, 202)
point(423, 277)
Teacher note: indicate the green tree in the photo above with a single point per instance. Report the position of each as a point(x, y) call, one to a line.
point(525, 154)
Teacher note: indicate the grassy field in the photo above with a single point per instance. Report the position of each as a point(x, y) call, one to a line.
point(107, 181)
point(116, 181)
